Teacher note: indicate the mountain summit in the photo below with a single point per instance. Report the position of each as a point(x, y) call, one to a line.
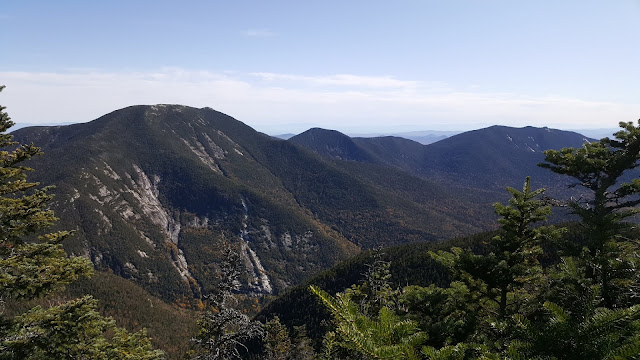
point(156, 192)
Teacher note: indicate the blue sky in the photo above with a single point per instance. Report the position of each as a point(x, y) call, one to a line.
point(353, 66)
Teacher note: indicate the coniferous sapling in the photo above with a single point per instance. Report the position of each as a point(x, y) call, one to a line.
point(33, 265)
point(224, 330)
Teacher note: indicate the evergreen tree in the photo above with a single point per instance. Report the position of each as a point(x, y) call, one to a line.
point(447, 315)
point(74, 330)
point(33, 266)
point(28, 269)
point(276, 341)
point(375, 291)
point(505, 279)
point(601, 169)
point(591, 309)
point(301, 345)
point(224, 331)
point(601, 334)
point(279, 345)
point(367, 321)
point(385, 336)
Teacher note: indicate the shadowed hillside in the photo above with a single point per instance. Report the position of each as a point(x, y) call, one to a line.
point(154, 192)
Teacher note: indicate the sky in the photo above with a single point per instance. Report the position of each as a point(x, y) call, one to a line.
point(353, 66)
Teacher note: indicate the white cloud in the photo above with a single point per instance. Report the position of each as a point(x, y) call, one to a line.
point(277, 103)
point(342, 80)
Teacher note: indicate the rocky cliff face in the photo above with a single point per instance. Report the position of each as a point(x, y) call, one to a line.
point(155, 192)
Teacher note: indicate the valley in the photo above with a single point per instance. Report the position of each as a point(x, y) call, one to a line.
point(154, 195)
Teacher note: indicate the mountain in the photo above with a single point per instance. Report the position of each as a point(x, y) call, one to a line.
point(485, 160)
point(154, 194)
point(284, 136)
point(18, 126)
point(389, 150)
point(423, 137)
point(497, 156)
point(331, 144)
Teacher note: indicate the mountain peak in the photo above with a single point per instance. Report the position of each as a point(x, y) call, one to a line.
point(331, 144)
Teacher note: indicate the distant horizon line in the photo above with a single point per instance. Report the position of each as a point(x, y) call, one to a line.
point(424, 132)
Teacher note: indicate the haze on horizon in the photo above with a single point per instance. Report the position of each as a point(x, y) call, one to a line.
point(356, 67)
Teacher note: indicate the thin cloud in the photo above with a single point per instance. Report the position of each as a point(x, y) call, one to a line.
point(345, 80)
point(271, 102)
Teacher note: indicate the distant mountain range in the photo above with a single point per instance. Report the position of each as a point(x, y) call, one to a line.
point(155, 192)
point(486, 160)
point(422, 137)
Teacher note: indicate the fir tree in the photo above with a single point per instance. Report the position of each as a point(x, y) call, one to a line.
point(375, 291)
point(74, 330)
point(301, 345)
point(367, 321)
point(506, 277)
point(33, 266)
point(385, 336)
point(600, 168)
point(224, 330)
point(28, 269)
point(280, 345)
point(276, 341)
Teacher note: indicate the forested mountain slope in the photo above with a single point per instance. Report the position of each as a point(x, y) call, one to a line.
point(153, 193)
point(486, 160)
point(410, 264)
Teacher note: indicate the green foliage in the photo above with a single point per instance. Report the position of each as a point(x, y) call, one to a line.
point(33, 269)
point(409, 264)
point(280, 345)
point(508, 298)
point(276, 341)
point(302, 349)
point(604, 334)
point(169, 326)
point(600, 168)
point(224, 331)
point(73, 330)
point(375, 292)
point(33, 266)
point(386, 336)
point(461, 351)
point(448, 315)
point(500, 283)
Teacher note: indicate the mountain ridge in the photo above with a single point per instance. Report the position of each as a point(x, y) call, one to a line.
point(154, 193)
point(488, 158)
